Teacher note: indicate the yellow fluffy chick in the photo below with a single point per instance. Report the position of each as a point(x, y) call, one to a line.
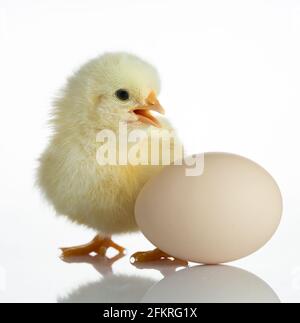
point(113, 89)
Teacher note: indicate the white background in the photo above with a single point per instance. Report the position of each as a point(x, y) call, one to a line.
point(230, 75)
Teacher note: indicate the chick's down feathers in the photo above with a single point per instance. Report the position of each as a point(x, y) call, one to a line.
point(101, 197)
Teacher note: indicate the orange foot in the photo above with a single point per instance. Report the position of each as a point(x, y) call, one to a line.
point(154, 255)
point(98, 245)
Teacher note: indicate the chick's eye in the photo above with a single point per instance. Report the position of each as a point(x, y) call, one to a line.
point(122, 94)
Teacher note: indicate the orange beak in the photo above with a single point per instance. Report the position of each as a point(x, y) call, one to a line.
point(144, 111)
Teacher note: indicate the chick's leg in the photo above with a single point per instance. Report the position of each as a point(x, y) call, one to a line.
point(98, 245)
point(154, 255)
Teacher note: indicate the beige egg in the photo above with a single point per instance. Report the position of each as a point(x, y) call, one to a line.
point(228, 212)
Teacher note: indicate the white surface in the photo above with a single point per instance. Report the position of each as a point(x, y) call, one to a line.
point(230, 75)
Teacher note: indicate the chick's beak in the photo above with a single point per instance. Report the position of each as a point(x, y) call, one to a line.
point(144, 111)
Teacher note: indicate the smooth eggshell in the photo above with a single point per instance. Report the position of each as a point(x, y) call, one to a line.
point(228, 212)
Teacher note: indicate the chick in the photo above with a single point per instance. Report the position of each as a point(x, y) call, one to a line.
point(113, 89)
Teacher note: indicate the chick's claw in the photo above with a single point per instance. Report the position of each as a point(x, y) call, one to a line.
point(154, 255)
point(98, 245)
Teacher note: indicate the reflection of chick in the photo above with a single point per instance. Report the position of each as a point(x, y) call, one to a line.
point(115, 288)
point(111, 289)
point(108, 90)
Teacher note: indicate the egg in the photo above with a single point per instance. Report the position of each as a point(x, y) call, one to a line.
point(226, 212)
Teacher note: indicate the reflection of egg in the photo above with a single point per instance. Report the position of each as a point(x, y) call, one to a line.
point(211, 284)
point(227, 213)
